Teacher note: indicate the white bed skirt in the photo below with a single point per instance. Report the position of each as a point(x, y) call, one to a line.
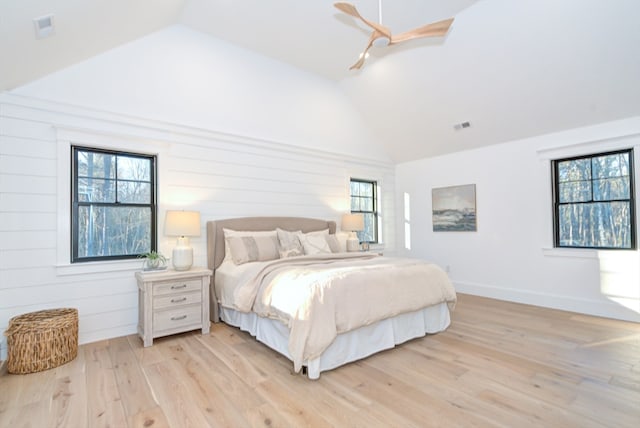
point(350, 346)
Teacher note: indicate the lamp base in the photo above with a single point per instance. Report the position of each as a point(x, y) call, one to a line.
point(353, 243)
point(182, 256)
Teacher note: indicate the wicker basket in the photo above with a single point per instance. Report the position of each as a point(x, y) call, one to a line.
point(42, 340)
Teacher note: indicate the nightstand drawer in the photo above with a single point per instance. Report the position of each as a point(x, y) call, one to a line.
point(169, 319)
point(175, 300)
point(169, 287)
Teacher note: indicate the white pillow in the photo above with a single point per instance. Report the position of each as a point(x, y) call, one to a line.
point(342, 240)
point(317, 232)
point(315, 244)
point(333, 243)
point(228, 233)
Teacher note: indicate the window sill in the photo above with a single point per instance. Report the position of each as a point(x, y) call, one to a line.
point(570, 252)
point(98, 267)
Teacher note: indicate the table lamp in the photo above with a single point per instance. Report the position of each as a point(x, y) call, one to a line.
point(353, 223)
point(182, 224)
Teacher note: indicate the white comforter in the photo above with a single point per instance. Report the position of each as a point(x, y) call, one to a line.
point(318, 297)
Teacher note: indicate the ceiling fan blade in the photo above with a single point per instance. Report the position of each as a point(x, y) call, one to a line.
point(358, 63)
point(363, 56)
point(347, 8)
point(351, 10)
point(435, 29)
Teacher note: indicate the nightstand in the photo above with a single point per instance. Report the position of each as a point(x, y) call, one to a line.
point(172, 302)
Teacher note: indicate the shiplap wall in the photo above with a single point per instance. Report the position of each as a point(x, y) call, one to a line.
point(219, 175)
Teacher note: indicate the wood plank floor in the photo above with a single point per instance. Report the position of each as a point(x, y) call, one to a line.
point(499, 365)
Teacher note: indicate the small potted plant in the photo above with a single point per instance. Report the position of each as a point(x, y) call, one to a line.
point(154, 260)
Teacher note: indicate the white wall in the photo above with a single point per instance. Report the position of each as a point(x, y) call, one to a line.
point(511, 257)
point(236, 134)
point(219, 175)
point(182, 76)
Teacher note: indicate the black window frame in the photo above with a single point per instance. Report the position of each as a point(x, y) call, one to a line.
point(557, 204)
point(76, 204)
point(374, 212)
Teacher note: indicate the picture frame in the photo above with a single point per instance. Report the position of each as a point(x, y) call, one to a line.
point(453, 208)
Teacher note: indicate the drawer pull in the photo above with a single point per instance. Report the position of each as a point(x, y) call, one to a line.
point(181, 317)
point(178, 287)
point(178, 300)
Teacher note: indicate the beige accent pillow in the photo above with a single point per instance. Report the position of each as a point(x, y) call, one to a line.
point(289, 243)
point(228, 233)
point(253, 248)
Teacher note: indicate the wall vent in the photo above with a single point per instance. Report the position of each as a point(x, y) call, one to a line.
point(44, 26)
point(460, 126)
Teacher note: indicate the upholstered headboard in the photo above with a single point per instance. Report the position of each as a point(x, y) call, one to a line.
point(215, 238)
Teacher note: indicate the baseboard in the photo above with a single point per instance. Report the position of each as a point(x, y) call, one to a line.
point(601, 308)
point(110, 333)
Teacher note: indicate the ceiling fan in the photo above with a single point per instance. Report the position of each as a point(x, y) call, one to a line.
point(381, 35)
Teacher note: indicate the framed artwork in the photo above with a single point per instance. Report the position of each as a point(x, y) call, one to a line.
point(453, 208)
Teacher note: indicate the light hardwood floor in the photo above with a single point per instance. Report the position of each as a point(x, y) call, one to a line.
point(499, 364)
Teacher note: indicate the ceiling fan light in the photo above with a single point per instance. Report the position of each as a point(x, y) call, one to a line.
point(381, 42)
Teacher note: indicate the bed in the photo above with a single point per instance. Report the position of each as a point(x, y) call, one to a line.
point(326, 333)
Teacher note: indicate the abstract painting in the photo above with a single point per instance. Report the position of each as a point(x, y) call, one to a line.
point(454, 208)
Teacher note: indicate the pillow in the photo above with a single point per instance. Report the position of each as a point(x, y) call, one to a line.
point(342, 237)
point(253, 248)
point(228, 233)
point(332, 240)
point(315, 244)
point(315, 232)
point(289, 243)
point(284, 254)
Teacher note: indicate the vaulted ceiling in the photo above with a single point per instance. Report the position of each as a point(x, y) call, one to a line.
point(512, 69)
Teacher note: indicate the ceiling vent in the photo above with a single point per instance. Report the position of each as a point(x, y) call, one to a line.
point(461, 126)
point(44, 26)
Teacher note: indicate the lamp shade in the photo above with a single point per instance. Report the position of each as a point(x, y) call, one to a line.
point(353, 222)
point(182, 223)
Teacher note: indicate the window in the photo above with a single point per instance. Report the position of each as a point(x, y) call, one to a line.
point(364, 200)
point(113, 204)
point(594, 201)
